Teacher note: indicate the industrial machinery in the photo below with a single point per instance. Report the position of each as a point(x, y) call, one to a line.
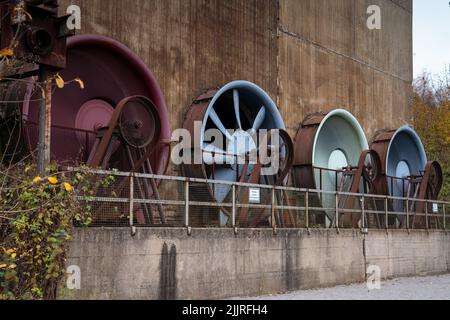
point(118, 120)
point(135, 127)
point(244, 115)
point(35, 33)
point(331, 155)
point(406, 173)
point(33, 41)
point(111, 73)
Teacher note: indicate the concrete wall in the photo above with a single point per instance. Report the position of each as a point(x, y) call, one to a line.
point(329, 58)
point(309, 55)
point(216, 263)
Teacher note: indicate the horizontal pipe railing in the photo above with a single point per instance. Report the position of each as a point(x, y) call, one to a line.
point(361, 206)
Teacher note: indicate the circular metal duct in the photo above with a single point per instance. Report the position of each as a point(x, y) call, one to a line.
point(239, 110)
point(110, 72)
point(238, 107)
point(402, 155)
point(326, 144)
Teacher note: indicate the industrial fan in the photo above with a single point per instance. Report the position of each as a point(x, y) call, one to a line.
point(240, 111)
point(110, 72)
point(406, 173)
point(119, 120)
point(329, 156)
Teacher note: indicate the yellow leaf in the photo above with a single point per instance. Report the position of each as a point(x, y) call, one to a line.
point(13, 255)
point(52, 180)
point(12, 267)
point(6, 52)
point(68, 187)
point(37, 179)
point(80, 83)
point(3, 266)
point(59, 81)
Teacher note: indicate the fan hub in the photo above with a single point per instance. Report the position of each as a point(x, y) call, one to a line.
point(403, 170)
point(92, 116)
point(338, 160)
point(242, 143)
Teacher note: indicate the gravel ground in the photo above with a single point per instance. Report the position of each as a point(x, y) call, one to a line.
point(423, 288)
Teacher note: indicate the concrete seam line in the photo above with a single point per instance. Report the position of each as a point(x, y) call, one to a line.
point(285, 31)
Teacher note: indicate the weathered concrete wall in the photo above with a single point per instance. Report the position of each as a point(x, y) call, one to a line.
point(329, 58)
point(192, 45)
point(309, 55)
point(401, 254)
point(216, 263)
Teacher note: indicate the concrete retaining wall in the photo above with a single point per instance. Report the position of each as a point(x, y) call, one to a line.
point(216, 263)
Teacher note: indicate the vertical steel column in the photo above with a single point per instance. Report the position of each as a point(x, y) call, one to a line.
point(337, 211)
point(363, 212)
point(233, 210)
point(445, 221)
point(186, 206)
point(44, 122)
point(427, 224)
point(131, 205)
point(407, 216)
point(307, 210)
point(386, 211)
point(274, 224)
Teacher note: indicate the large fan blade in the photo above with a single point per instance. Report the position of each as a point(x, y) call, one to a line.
point(215, 118)
point(259, 119)
point(213, 155)
point(237, 108)
point(221, 191)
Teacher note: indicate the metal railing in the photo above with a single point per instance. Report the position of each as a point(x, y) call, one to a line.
point(128, 201)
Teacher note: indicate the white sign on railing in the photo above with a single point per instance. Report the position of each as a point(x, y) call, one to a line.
point(254, 195)
point(435, 208)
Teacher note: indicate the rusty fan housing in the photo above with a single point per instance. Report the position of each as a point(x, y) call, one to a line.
point(111, 72)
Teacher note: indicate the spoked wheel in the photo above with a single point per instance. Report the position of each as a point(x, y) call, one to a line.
point(274, 162)
point(434, 188)
point(435, 181)
point(135, 129)
point(371, 174)
point(372, 168)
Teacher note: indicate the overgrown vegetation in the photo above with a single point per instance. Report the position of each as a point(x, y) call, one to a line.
point(431, 119)
point(37, 215)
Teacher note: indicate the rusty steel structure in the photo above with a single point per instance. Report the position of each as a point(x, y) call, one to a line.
point(406, 172)
point(110, 73)
point(244, 108)
point(395, 165)
point(35, 33)
point(285, 155)
point(35, 36)
point(331, 154)
point(120, 120)
point(117, 120)
point(136, 127)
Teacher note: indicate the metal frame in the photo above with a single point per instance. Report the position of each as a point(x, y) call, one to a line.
point(306, 210)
